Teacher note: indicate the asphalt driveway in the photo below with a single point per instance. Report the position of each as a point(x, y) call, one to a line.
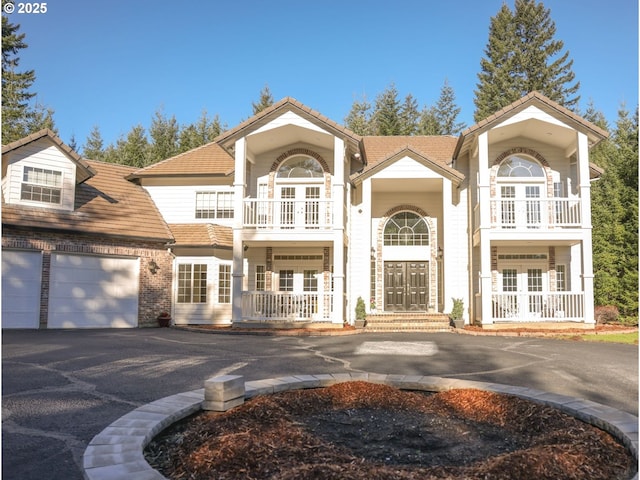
point(60, 388)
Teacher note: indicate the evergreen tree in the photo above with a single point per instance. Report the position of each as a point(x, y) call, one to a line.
point(19, 117)
point(359, 118)
point(409, 115)
point(446, 112)
point(133, 150)
point(265, 101)
point(164, 137)
point(94, 146)
point(387, 118)
point(615, 219)
point(204, 131)
point(522, 56)
point(428, 123)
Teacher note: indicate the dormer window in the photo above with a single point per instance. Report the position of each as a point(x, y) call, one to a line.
point(41, 185)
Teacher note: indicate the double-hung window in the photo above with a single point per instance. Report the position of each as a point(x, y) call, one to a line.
point(41, 185)
point(224, 284)
point(214, 204)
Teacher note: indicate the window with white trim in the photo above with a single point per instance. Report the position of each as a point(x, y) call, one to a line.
point(214, 204)
point(224, 284)
point(406, 229)
point(561, 278)
point(261, 278)
point(41, 185)
point(192, 283)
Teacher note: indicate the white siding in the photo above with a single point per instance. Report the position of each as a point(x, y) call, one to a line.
point(288, 118)
point(40, 154)
point(406, 168)
point(177, 204)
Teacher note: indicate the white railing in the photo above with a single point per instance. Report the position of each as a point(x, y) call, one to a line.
point(289, 306)
point(536, 213)
point(538, 306)
point(273, 214)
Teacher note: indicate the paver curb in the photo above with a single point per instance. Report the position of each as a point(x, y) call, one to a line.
point(116, 453)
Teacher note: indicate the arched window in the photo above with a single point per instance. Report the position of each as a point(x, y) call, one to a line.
point(516, 166)
point(300, 167)
point(406, 229)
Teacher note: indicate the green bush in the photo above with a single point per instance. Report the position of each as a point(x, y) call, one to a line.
point(361, 312)
point(458, 309)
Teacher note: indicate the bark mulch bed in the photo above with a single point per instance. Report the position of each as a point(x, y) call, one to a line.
point(360, 430)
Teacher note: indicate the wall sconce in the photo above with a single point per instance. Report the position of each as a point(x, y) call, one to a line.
point(440, 253)
point(153, 267)
point(245, 248)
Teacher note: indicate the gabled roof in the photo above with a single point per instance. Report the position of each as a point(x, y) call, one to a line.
point(83, 170)
point(595, 133)
point(210, 159)
point(227, 138)
point(106, 204)
point(433, 151)
point(202, 235)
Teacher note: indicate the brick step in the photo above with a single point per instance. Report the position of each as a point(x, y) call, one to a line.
point(407, 322)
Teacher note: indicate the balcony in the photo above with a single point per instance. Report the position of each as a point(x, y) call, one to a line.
point(536, 213)
point(287, 306)
point(537, 306)
point(272, 214)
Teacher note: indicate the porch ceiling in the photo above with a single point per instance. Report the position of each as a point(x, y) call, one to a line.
point(268, 140)
point(544, 132)
point(406, 185)
point(547, 242)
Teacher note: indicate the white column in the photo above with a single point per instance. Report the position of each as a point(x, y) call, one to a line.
point(587, 246)
point(337, 195)
point(238, 220)
point(484, 195)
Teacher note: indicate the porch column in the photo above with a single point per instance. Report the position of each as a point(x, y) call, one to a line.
point(584, 184)
point(238, 219)
point(337, 195)
point(484, 199)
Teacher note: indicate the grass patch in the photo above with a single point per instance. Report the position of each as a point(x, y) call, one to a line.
point(629, 338)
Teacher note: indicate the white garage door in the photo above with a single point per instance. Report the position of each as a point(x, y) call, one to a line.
point(21, 274)
point(93, 292)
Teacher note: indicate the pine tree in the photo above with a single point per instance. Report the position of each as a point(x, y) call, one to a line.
point(522, 56)
point(133, 150)
point(614, 202)
point(204, 131)
point(387, 118)
point(19, 117)
point(94, 146)
point(359, 118)
point(409, 114)
point(446, 112)
point(428, 123)
point(164, 137)
point(265, 101)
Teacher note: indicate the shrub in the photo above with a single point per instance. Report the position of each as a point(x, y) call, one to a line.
point(606, 314)
point(458, 309)
point(361, 312)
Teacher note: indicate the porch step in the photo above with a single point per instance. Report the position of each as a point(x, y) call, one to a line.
point(407, 322)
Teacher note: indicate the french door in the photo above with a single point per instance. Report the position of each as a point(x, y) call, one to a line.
point(523, 288)
point(405, 286)
point(520, 206)
point(299, 206)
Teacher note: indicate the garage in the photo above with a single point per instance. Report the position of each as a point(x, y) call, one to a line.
point(21, 274)
point(88, 291)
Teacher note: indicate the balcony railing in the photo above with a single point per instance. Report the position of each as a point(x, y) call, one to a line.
point(538, 306)
point(536, 213)
point(288, 214)
point(287, 306)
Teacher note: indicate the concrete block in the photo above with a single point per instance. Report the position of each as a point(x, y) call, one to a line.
point(222, 406)
point(224, 388)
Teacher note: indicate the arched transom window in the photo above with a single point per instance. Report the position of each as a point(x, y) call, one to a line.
point(519, 167)
point(406, 229)
point(300, 166)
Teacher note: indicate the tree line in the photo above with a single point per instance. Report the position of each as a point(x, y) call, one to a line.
point(522, 55)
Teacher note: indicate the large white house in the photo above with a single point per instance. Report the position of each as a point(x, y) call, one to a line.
point(289, 218)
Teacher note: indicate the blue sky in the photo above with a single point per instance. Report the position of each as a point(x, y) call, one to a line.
point(115, 63)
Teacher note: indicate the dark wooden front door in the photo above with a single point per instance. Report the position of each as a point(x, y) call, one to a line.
point(405, 286)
